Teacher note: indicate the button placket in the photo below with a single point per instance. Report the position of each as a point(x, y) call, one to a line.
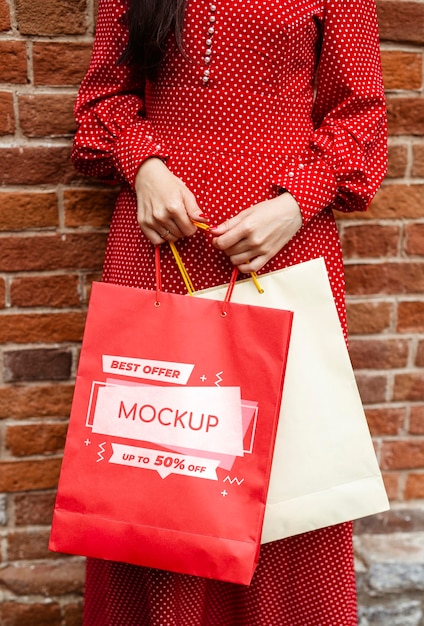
point(208, 44)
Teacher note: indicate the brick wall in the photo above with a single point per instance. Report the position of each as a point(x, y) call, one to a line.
point(53, 226)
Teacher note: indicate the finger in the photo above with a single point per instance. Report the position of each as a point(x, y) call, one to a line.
point(241, 259)
point(254, 265)
point(184, 218)
point(194, 212)
point(153, 236)
point(231, 242)
point(174, 222)
point(166, 233)
point(232, 232)
point(165, 229)
point(228, 225)
point(163, 216)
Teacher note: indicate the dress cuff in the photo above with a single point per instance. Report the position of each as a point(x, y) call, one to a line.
point(133, 146)
point(311, 182)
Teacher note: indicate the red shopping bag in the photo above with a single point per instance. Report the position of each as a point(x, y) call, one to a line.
point(170, 441)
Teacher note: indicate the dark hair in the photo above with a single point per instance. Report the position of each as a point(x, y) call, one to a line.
point(149, 24)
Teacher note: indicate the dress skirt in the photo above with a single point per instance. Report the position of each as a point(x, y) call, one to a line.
point(307, 580)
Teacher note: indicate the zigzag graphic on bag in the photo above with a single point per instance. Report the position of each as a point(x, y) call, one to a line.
point(218, 378)
point(102, 450)
point(239, 481)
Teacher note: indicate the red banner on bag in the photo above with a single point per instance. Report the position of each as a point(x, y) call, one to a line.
point(170, 441)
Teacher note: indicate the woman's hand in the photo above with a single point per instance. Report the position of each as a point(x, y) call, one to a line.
point(256, 234)
point(165, 207)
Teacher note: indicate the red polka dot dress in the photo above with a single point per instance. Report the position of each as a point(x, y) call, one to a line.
point(267, 95)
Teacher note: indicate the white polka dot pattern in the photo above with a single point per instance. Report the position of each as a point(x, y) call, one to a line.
point(301, 581)
point(266, 117)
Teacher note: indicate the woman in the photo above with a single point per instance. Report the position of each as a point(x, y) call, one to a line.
point(260, 118)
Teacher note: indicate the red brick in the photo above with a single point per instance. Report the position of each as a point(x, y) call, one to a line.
point(405, 454)
point(20, 402)
point(392, 484)
point(369, 317)
point(386, 421)
point(61, 17)
point(416, 420)
point(419, 361)
point(363, 241)
point(52, 252)
point(410, 316)
point(29, 475)
point(378, 353)
point(4, 16)
point(33, 509)
point(33, 439)
point(36, 365)
point(393, 201)
point(13, 62)
point(372, 387)
point(2, 293)
point(418, 161)
point(49, 115)
point(414, 244)
point(400, 21)
point(36, 165)
point(402, 70)
point(89, 283)
point(45, 579)
point(398, 160)
point(409, 386)
point(405, 116)
point(30, 614)
point(398, 201)
point(414, 487)
point(52, 291)
point(73, 614)
point(88, 207)
point(28, 545)
point(42, 327)
point(387, 278)
point(24, 211)
point(60, 63)
point(7, 115)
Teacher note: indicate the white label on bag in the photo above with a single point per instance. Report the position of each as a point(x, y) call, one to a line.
point(164, 463)
point(198, 418)
point(166, 371)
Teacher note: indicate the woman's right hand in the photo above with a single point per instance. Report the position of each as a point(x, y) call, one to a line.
point(165, 207)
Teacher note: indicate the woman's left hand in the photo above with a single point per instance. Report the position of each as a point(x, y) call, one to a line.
point(256, 234)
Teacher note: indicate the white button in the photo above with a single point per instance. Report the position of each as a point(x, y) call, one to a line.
point(207, 59)
point(290, 174)
point(212, 8)
point(149, 137)
point(158, 147)
point(301, 166)
point(211, 30)
point(212, 19)
point(208, 42)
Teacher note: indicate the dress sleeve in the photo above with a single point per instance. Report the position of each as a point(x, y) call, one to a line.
point(346, 160)
point(113, 137)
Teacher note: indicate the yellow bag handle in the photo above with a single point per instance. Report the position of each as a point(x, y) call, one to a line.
point(183, 270)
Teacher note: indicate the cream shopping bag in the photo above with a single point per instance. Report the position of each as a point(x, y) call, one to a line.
point(324, 468)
